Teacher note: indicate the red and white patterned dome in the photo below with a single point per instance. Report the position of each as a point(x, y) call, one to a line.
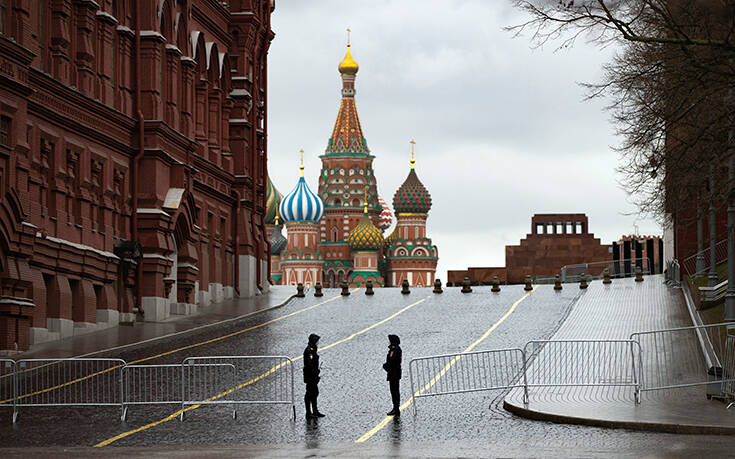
point(386, 216)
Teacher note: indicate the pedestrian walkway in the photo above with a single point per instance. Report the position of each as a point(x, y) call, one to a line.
point(614, 312)
point(142, 332)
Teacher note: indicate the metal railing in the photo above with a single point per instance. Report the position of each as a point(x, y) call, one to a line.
point(67, 382)
point(7, 384)
point(465, 372)
point(112, 382)
point(728, 370)
point(594, 270)
point(689, 264)
point(151, 385)
point(667, 365)
point(672, 274)
point(582, 363)
point(616, 268)
point(261, 384)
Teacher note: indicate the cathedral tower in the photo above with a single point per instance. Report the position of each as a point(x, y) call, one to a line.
point(365, 241)
point(347, 169)
point(409, 253)
point(301, 210)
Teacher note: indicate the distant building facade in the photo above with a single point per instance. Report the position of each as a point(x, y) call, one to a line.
point(555, 240)
point(631, 251)
point(132, 178)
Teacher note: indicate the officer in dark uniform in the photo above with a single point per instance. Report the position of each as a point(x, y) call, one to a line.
point(311, 377)
point(392, 366)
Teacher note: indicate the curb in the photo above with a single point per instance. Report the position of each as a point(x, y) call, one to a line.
point(631, 425)
point(184, 332)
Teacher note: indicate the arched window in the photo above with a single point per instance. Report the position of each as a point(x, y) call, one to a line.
point(356, 202)
point(337, 202)
point(334, 234)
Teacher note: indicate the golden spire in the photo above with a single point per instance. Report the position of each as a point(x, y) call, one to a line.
point(364, 210)
point(348, 64)
point(413, 161)
point(276, 220)
point(302, 162)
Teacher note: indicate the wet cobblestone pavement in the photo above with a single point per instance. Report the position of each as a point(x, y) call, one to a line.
point(353, 390)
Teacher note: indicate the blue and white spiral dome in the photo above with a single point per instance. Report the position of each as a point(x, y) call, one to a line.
point(301, 205)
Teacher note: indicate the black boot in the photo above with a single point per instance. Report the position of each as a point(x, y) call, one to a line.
point(315, 410)
point(394, 412)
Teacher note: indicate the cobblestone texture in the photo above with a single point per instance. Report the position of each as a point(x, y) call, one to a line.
point(353, 390)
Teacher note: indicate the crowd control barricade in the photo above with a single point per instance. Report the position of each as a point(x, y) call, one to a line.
point(583, 363)
point(68, 382)
point(151, 385)
point(728, 369)
point(681, 357)
point(261, 380)
point(465, 372)
point(7, 384)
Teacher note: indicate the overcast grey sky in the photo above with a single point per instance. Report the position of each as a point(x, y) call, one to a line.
point(502, 130)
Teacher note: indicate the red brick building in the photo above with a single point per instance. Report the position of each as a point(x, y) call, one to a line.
point(555, 240)
point(125, 121)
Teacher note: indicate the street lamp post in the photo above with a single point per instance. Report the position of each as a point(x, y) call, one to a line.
point(730, 294)
point(701, 264)
point(712, 277)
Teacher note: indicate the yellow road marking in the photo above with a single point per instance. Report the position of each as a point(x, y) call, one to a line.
point(145, 359)
point(257, 378)
point(436, 378)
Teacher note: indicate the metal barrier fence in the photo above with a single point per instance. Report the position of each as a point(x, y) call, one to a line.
point(588, 363)
point(7, 384)
point(690, 263)
point(668, 366)
point(616, 268)
point(261, 382)
point(68, 382)
point(592, 271)
point(728, 370)
point(151, 385)
point(465, 372)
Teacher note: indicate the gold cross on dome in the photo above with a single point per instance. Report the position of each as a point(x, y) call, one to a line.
point(348, 36)
point(413, 161)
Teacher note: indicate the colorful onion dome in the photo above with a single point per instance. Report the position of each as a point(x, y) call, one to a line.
point(386, 216)
point(272, 201)
point(412, 197)
point(365, 236)
point(276, 239)
point(301, 204)
point(348, 65)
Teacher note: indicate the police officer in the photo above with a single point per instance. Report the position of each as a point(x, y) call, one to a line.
point(392, 366)
point(311, 377)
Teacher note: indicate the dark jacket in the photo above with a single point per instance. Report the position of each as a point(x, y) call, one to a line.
point(392, 363)
point(311, 361)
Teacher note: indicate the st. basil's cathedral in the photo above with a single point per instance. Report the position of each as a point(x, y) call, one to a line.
point(337, 234)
